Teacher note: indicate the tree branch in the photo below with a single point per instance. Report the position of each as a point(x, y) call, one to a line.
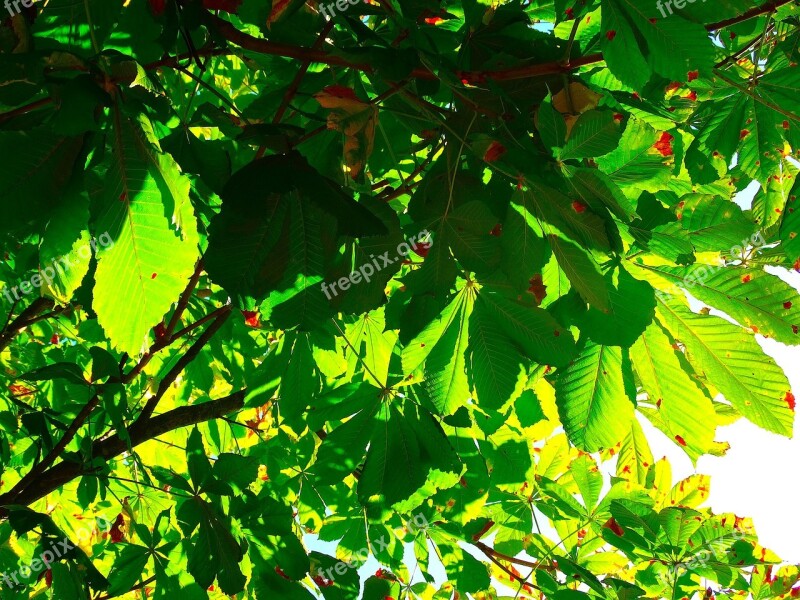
point(263, 46)
point(23, 110)
point(140, 432)
point(27, 317)
point(750, 14)
point(183, 361)
point(51, 456)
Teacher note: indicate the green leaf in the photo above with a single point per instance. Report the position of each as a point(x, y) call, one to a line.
point(142, 193)
point(532, 329)
point(592, 401)
point(581, 270)
point(756, 299)
point(681, 409)
point(595, 133)
point(728, 356)
point(495, 365)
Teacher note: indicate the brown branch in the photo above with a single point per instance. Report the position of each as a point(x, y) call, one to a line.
point(311, 134)
point(313, 55)
point(172, 61)
point(298, 78)
point(56, 451)
point(168, 338)
point(140, 432)
point(29, 316)
point(183, 302)
point(734, 57)
point(189, 328)
point(491, 552)
point(291, 91)
point(23, 110)
point(248, 42)
point(183, 361)
point(139, 586)
point(750, 14)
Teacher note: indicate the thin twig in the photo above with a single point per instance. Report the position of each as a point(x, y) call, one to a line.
point(227, 101)
point(358, 356)
point(23, 110)
point(184, 360)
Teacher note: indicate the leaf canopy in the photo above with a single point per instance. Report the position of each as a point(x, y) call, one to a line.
point(293, 291)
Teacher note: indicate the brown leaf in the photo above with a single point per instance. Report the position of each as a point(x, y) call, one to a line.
point(356, 119)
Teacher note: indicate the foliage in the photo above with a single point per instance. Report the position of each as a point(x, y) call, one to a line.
point(222, 339)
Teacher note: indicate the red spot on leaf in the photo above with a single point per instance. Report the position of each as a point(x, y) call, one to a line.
point(158, 7)
point(421, 248)
point(673, 86)
point(230, 6)
point(786, 124)
point(744, 133)
point(618, 117)
point(537, 288)
point(692, 96)
point(612, 525)
point(557, 333)
point(787, 305)
point(754, 328)
point(746, 279)
point(611, 34)
point(796, 265)
point(494, 151)
point(664, 144)
point(578, 207)
point(340, 91)
point(54, 339)
point(790, 400)
point(497, 230)
point(692, 75)
point(154, 275)
point(433, 20)
point(680, 440)
point(252, 318)
point(570, 12)
point(322, 582)
point(115, 533)
point(280, 572)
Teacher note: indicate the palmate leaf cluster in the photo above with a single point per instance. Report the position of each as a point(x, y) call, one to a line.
point(184, 182)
